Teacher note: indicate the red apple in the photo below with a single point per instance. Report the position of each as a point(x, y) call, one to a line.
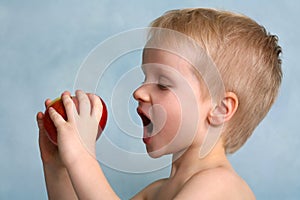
point(57, 104)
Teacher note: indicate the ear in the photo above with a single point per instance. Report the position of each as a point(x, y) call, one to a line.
point(224, 111)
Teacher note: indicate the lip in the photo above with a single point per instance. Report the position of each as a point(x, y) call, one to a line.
point(147, 124)
point(147, 140)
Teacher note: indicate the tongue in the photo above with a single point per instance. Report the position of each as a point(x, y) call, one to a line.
point(149, 129)
point(148, 126)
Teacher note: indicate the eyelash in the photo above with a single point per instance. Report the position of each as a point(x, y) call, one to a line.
point(162, 87)
point(159, 85)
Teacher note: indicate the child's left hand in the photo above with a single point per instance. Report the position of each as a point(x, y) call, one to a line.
point(77, 135)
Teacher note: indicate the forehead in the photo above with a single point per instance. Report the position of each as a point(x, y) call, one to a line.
point(168, 60)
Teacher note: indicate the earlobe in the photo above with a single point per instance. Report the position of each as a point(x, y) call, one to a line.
point(224, 111)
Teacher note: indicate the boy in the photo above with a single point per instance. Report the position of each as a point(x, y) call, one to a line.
point(178, 109)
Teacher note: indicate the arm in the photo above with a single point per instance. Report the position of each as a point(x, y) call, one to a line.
point(58, 184)
point(88, 179)
point(57, 179)
point(76, 142)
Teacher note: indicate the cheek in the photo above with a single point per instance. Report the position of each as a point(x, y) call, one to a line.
point(174, 120)
point(187, 121)
point(167, 116)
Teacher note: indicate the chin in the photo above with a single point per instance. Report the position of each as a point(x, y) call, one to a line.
point(164, 151)
point(156, 153)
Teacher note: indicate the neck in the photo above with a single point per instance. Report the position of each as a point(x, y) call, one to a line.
point(189, 162)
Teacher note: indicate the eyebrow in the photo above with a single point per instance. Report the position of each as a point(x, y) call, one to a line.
point(165, 79)
point(158, 69)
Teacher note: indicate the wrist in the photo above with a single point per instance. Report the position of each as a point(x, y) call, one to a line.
point(78, 157)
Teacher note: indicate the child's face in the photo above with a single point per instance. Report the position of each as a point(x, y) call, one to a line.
point(171, 104)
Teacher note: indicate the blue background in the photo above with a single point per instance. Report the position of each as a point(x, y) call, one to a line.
point(43, 43)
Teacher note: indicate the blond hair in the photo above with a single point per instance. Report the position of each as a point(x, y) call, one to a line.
point(247, 57)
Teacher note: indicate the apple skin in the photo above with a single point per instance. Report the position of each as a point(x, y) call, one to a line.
point(57, 104)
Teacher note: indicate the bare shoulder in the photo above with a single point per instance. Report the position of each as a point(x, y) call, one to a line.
point(149, 191)
point(217, 183)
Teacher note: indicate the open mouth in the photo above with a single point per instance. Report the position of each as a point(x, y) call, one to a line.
point(148, 125)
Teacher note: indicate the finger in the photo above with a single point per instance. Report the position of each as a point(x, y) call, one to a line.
point(47, 102)
point(39, 119)
point(69, 107)
point(97, 106)
point(65, 93)
point(57, 119)
point(42, 131)
point(84, 103)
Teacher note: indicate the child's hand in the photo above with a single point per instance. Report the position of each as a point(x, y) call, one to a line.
point(78, 134)
point(49, 152)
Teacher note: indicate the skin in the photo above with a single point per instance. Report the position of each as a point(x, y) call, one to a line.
point(57, 178)
point(71, 169)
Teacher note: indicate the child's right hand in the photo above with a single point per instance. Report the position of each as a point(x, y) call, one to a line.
point(77, 135)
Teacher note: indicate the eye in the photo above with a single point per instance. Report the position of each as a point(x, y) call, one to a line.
point(162, 87)
point(163, 83)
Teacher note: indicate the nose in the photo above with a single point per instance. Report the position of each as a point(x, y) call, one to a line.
point(142, 94)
